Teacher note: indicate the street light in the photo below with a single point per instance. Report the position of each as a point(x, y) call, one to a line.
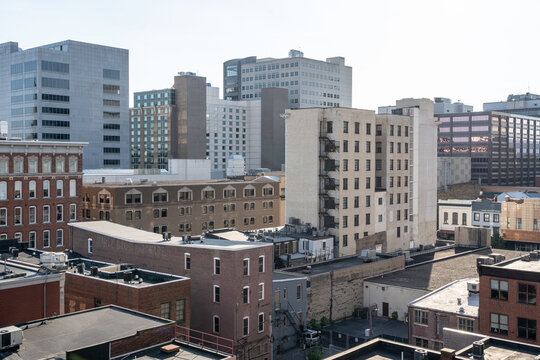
point(371, 309)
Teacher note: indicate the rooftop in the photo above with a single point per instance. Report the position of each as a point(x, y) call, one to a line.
point(499, 349)
point(186, 352)
point(451, 298)
point(130, 234)
point(54, 336)
point(526, 263)
point(282, 276)
point(434, 274)
point(261, 179)
point(122, 274)
point(13, 273)
point(331, 265)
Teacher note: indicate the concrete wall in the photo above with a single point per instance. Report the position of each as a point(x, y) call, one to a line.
point(336, 294)
point(397, 297)
point(453, 170)
point(273, 104)
point(472, 236)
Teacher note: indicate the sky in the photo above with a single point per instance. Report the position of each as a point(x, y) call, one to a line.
point(475, 51)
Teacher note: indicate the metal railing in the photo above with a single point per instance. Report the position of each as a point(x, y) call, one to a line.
point(204, 340)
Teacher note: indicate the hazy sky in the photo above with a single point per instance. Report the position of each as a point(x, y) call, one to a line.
point(473, 51)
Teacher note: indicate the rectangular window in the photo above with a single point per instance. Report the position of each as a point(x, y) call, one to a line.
point(498, 324)
point(32, 215)
point(72, 188)
point(465, 324)
point(59, 188)
point(180, 310)
point(59, 213)
point(245, 295)
point(111, 74)
point(32, 239)
point(217, 294)
point(18, 190)
point(166, 310)
point(299, 292)
point(72, 212)
point(261, 264)
point(3, 217)
point(187, 261)
point(527, 294)
point(476, 216)
point(46, 214)
point(486, 217)
point(217, 266)
point(59, 237)
point(245, 265)
point(261, 322)
point(216, 324)
point(32, 189)
point(18, 215)
point(499, 290)
point(245, 326)
point(54, 66)
point(420, 317)
point(526, 329)
point(260, 291)
point(46, 239)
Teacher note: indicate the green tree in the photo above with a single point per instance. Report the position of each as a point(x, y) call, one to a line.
point(324, 321)
point(314, 324)
point(497, 242)
point(315, 353)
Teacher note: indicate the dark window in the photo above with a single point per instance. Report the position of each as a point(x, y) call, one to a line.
point(111, 138)
point(527, 294)
point(51, 136)
point(54, 97)
point(55, 123)
point(111, 150)
point(111, 126)
point(54, 83)
point(499, 290)
point(53, 110)
point(527, 329)
point(54, 66)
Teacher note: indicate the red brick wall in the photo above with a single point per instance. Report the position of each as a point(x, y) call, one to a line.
point(142, 339)
point(512, 308)
point(80, 291)
point(25, 228)
point(25, 303)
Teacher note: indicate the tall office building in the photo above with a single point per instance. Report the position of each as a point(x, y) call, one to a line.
point(168, 123)
point(524, 104)
point(504, 148)
point(68, 91)
point(309, 82)
point(357, 175)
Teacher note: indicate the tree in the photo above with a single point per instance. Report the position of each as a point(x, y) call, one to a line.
point(497, 242)
point(315, 353)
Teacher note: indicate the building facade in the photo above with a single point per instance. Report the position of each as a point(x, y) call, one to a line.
point(231, 281)
point(504, 148)
point(523, 104)
point(351, 172)
point(289, 315)
point(40, 189)
point(168, 123)
point(68, 91)
point(309, 82)
point(186, 207)
point(508, 299)
point(453, 213)
point(91, 284)
point(486, 213)
point(520, 223)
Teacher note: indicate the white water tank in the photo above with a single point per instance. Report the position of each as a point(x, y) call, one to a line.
point(236, 166)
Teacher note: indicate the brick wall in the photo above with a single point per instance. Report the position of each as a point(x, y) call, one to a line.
point(336, 294)
point(143, 339)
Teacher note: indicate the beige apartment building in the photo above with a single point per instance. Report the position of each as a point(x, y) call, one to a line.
point(353, 173)
point(519, 223)
point(186, 207)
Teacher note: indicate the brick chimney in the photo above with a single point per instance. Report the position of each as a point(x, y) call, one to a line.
point(447, 354)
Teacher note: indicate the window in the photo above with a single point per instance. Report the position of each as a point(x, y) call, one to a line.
point(32, 189)
point(46, 239)
point(368, 146)
point(166, 310)
point(18, 190)
point(464, 219)
point(46, 165)
point(476, 216)
point(3, 190)
point(46, 214)
point(499, 290)
point(299, 292)
point(245, 295)
point(455, 218)
point(180, 310)
point(518, 223)
point(260, 291)
point(59, 237)
point(421, 342)
point(46, 188)
point(249, 191)
point(72, 188)
point(526, 329)
point(217, 294)
point(185, 195)
point(495, 218)
point(18, 165)
point(32, 215)
point(60, 164)
point(133, 197)
point(59, 188)
point(345, 146)
point(420, 317)
point(32, 239)
point(216, 324)
point(261, 263)
point(345, 127)
point(345, 240)
point(465, 324)
point(72, 212)
point(18, 215)
point(60, 213)
point(527, 294)
point(245, 326)
point(217, 266)
point(187, 261)
point(498, 323)
point(229, 193)
point(245, 264)
point(261, 322)
point(486, 217)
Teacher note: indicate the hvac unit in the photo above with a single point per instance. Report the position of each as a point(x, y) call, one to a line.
point(10, 337)
point(472, 287)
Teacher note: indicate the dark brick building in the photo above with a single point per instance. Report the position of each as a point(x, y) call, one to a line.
point(231, 281)
point(40, 187)
point(90, 284)
point(508, 298)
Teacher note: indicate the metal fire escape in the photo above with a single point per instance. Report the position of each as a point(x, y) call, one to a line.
point(327, 183)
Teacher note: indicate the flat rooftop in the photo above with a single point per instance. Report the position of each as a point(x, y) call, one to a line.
point(280, 276)
point(434, 274)
point(186, 352)
point(53, 337)
point(130, 234)
point(330, 265)
point(115, 273)
point(531, 265)
point(12, 274)
point(446, 300)
point(154, 183)
point(499, 349)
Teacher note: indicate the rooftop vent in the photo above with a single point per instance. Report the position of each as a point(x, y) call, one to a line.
point(420, 354)
point(478, 349)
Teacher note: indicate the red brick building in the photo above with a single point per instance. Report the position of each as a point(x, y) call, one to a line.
point(91, 284)
point(27, 295)
point(231, 281)
point(508, 298)
point(40, 188)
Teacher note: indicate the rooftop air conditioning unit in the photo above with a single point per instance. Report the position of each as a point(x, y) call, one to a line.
point(497, 258)
point(11, 337)
point(472, 287)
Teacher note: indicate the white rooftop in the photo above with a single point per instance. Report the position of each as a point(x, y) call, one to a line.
point(532, 265)
point(130, 234)
point(445, 299)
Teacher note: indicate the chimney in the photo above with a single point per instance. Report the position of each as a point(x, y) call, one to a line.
point(447, 354)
